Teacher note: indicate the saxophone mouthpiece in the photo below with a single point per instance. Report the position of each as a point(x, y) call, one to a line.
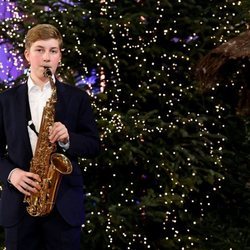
point(47, 72)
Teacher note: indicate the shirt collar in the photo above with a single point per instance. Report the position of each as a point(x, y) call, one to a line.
point(33, 86)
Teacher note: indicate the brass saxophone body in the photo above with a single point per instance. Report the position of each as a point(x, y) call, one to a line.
point(48, 164)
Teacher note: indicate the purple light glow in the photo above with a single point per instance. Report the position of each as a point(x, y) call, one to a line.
point(9, 65)
point(91, 83)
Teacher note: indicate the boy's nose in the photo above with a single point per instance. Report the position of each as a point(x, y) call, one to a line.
point(46, 56)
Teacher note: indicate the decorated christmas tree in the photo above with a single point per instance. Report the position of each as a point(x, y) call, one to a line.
point(168, 157)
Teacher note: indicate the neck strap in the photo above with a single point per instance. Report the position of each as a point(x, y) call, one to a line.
point(28, 116)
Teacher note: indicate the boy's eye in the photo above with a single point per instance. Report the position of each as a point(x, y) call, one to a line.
point(39, 50)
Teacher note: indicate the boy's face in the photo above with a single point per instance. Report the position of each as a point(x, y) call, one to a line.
point(43, 53)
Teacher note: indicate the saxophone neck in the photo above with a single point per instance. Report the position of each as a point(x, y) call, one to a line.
point(48, 74)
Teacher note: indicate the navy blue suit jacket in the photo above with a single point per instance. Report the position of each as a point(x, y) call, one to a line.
point(73, 109)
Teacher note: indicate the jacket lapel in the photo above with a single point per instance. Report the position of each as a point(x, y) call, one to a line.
point(21, 106)
point(62, 100)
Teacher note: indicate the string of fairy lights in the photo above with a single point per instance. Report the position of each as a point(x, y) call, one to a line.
point(137, 237)
point(117, 125)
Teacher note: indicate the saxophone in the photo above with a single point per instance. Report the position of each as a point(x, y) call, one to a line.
point(48, 164)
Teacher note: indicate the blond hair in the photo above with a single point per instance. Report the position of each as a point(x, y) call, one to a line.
point(42, 32)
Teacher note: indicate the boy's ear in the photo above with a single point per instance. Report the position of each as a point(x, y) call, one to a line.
point(26, 55)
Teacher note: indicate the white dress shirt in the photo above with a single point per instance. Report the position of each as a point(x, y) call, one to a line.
point(37, 100)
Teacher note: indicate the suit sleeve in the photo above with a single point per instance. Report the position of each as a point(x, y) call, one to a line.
point(84, 142)
point(5, 164)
